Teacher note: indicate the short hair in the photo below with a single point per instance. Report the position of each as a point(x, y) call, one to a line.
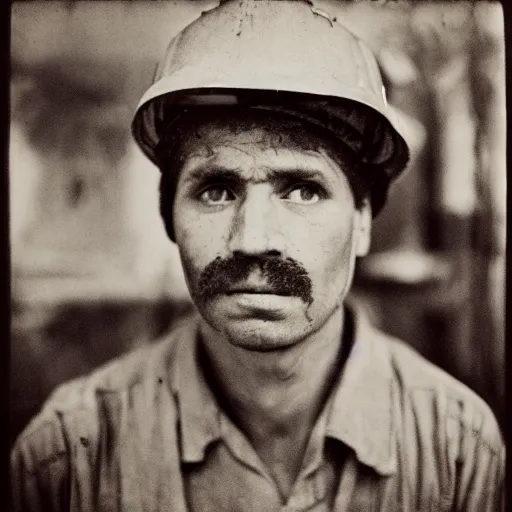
point(277, 127)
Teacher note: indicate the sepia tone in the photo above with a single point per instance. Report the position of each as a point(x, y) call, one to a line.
point(93, 272)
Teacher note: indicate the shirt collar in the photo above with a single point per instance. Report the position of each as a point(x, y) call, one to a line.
point(197, 407)
point(361, 414)
point(361, 405)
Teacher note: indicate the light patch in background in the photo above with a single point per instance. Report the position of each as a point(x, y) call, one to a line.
point(157, 261)
point(24, 177)
point(84, 211)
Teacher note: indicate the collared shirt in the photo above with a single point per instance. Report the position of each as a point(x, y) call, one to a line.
point(221, 470)
point(145, 433)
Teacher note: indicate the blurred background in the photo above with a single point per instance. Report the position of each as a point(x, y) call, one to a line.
point(93, 274)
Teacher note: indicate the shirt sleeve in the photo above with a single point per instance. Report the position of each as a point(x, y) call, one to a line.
point(481, 470)
point(40, 469)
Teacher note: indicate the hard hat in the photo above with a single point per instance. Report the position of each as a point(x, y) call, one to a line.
point(285, 56)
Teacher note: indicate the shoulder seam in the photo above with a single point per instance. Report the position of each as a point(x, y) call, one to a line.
point(477, 433)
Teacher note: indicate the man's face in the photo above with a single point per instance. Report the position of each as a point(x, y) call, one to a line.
point(268, 234)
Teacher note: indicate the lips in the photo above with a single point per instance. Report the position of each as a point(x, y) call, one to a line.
point(256, 290)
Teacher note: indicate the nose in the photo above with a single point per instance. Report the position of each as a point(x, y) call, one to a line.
point(256, 228)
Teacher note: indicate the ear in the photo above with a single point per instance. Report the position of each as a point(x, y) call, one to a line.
point(363, 229)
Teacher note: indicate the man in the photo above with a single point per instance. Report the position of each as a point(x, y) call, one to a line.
point(269, 124)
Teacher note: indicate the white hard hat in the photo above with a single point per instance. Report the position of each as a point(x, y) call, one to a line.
point(281, 55)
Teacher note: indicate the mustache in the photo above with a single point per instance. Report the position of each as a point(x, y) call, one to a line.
point(285, 276)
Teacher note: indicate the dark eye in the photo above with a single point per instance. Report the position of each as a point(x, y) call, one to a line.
point(216, 195)
point(303, 194)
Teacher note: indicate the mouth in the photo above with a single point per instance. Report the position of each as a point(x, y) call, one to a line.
point(256, 290)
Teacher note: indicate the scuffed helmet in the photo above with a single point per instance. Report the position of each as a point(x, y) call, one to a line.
point(279, 55)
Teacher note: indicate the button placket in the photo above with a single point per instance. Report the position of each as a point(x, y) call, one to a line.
point(307, 493)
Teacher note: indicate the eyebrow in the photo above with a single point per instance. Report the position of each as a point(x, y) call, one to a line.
point(302, 173)
point(204, 173)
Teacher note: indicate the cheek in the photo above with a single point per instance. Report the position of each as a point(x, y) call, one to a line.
point(195, 245)
point(199, 241)
point(190, 227)
point(330, 257)
point(338, 257)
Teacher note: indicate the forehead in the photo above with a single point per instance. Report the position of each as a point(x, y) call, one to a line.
point(250, 126)
point(256, 136)
point(255, 155)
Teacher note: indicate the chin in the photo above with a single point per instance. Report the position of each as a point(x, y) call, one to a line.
point(265, 335)
point(264, 326)
point(258, 329)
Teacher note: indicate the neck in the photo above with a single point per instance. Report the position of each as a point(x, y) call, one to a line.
point(277, 394)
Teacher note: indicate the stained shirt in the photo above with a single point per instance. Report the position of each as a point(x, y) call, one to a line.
point(145, 433)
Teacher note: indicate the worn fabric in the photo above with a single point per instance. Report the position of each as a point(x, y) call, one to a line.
point(145, 433)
